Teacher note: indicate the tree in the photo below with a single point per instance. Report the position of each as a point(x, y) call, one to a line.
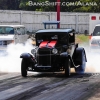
point(89, 6)
point(13, 4)
point(3, 4)
point(24, 5)
point(9, 4)
point(69, 5)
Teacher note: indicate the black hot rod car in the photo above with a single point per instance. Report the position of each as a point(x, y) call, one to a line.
point(55, 51)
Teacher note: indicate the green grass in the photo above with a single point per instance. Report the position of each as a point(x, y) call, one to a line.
point(82, 38)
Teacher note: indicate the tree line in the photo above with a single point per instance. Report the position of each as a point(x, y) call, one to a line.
point(50, 5)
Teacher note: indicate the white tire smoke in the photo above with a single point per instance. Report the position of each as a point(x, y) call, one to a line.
point(11, 61)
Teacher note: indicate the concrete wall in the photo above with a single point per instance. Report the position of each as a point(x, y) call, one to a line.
point(33, 20)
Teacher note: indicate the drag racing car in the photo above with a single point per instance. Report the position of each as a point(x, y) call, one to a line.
point(55, 51)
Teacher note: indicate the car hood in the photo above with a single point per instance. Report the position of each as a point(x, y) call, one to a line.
point(6, 37)
point(48, 44)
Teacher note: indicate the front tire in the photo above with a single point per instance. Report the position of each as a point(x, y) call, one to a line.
point(67, 67)
point(24, 67)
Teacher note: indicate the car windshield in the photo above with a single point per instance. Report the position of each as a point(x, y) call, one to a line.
point(11, 30)
point(96, 31)
point(20, 30)
point(50, 37)
point(6, 30)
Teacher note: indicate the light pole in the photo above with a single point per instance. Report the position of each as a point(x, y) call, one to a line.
point(58, 12)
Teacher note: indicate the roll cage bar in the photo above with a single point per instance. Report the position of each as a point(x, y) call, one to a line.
point(51, 23)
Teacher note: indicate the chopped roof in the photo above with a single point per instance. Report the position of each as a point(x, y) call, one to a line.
point(55, 30)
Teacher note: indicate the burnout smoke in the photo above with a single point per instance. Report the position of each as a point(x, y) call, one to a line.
point(11, 62)
point(93, 62)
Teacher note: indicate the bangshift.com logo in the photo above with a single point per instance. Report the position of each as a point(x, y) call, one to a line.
point(76, 3)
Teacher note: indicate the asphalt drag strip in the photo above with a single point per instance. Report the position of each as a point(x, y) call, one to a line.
point(49, 86)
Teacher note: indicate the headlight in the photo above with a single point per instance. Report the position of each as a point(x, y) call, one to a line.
point(54, 51)
point(33, 51)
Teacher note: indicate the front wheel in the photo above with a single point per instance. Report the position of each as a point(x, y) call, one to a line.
point(81, 68)
point(67, 67)
point(24, 67)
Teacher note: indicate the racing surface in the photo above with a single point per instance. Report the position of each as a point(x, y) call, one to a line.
point(49, 86)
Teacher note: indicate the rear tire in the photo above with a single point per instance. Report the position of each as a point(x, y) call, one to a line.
point(24, 67)
point(81, 68)
point(67, 67)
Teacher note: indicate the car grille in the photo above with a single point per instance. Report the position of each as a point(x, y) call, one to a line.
point(44, 57)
